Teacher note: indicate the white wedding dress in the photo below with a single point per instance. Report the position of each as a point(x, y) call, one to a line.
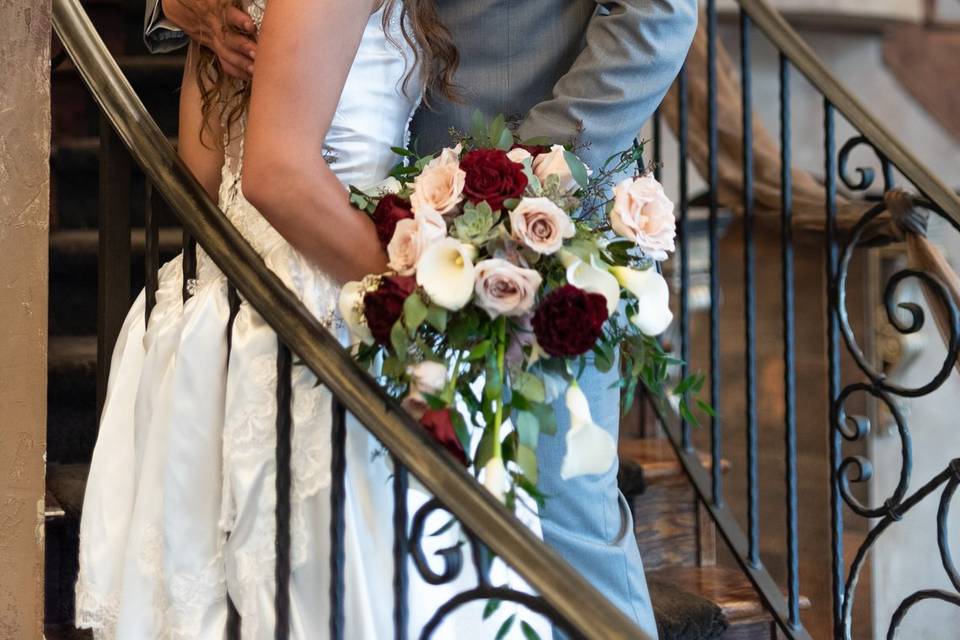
point(179, 507)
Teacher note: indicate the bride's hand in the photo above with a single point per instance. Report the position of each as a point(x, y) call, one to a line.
point(229, 34)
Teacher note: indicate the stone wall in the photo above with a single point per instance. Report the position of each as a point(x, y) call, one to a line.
point(24, 214)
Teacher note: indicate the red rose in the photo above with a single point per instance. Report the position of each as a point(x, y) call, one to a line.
point(390, 210)
point(383, 307)
point(493, 177)
point(532, 149)
point(569, 321)
point(438, 423)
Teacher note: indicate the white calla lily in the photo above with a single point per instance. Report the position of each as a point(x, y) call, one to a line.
point(495, 478)
point(350, 304)
point(446, 273)
point(595, 278)
point(653, 298)
point(590, 449)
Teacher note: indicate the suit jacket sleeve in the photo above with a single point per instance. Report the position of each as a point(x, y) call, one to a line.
point(633, 51)
point(159, 34)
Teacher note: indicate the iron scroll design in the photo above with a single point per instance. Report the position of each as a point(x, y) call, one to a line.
point(453, 560)
point(906, 318)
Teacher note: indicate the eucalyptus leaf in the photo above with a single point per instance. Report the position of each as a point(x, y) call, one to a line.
point(528, 428)
point(492, 605)
point(399, 339)
point(527, 459)
point(437, 318)
point(528, 631)
point(577, 169)
point(414, 312)
point(530, 386)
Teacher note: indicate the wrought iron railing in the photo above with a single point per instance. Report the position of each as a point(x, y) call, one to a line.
point(566, 598)
point(783, 597)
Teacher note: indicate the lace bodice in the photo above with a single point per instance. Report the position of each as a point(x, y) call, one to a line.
point(373, 115)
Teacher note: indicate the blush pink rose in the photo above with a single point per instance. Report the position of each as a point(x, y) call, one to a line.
point(504, 289)
point(643, 213)
point(411, 238)
point(541, 225)
point(554, 163)
point(439, 188)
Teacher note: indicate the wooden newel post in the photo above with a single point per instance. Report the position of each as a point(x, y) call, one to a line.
point(24, 223)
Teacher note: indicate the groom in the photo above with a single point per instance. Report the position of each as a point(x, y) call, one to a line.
point(597, 67)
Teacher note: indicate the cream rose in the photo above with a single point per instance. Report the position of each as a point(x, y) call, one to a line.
point(439, 188)
point(425, 377)
point(504, 289)
point(554, 163)
point(643, 213)
point(518, 155)
point(541, 225)
point(411, 238)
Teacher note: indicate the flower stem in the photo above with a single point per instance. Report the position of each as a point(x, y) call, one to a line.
point(501, 342)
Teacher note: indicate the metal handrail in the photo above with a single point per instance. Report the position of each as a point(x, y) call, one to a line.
point(569, 593)
point(775, 27)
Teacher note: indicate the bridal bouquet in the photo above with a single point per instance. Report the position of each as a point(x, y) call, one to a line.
point(512, 266)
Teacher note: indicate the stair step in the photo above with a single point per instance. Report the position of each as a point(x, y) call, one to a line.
point(51, 507)
point(140, 67)
point(67, 484)
point(731, 591)
point(71, 399)
point(71, 353)
point(658, 459)
point(670, 526)
point(86, 241)
point(81, 153)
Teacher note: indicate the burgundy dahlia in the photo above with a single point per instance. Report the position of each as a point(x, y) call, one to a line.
point(492, 177)
point(390, 210)
point(439, 424)
point(383, 307)
point(569, 321)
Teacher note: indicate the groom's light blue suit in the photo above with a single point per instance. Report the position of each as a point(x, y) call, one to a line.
point(600, 67)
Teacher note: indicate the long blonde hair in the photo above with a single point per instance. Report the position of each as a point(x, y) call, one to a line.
point(224, 99)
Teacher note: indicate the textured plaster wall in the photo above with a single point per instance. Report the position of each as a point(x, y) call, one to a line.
point(24, 215)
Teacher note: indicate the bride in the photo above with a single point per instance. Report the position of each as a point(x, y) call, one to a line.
point(178, 519)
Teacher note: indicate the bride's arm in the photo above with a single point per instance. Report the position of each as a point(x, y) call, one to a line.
point(205, 161)
point(304, 55)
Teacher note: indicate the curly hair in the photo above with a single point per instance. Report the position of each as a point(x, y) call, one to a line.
point(225, 99)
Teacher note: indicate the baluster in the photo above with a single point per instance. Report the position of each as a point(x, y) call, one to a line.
point(749, 294)
point(400, 519)
point(283, 481)
point(657, 145)
point(151, 253)
point(113, 257)
point(789, 366)
point(338, 470)
point(833, 368)
point(714, 180)
point(189, 265)
point(682, 141)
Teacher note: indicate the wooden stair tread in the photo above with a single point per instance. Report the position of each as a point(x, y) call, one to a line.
point(71, 352)
point(86, 241)
point(51, 507)
point(657, 457)
point(729, 589)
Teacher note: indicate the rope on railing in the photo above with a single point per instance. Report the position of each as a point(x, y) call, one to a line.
point(910, 223)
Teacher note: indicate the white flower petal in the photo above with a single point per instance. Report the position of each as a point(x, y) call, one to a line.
point(447, 274)
point(351, 297)
point(594, 279)
point(653, 298)
point(495, 478)
point(590, 449)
